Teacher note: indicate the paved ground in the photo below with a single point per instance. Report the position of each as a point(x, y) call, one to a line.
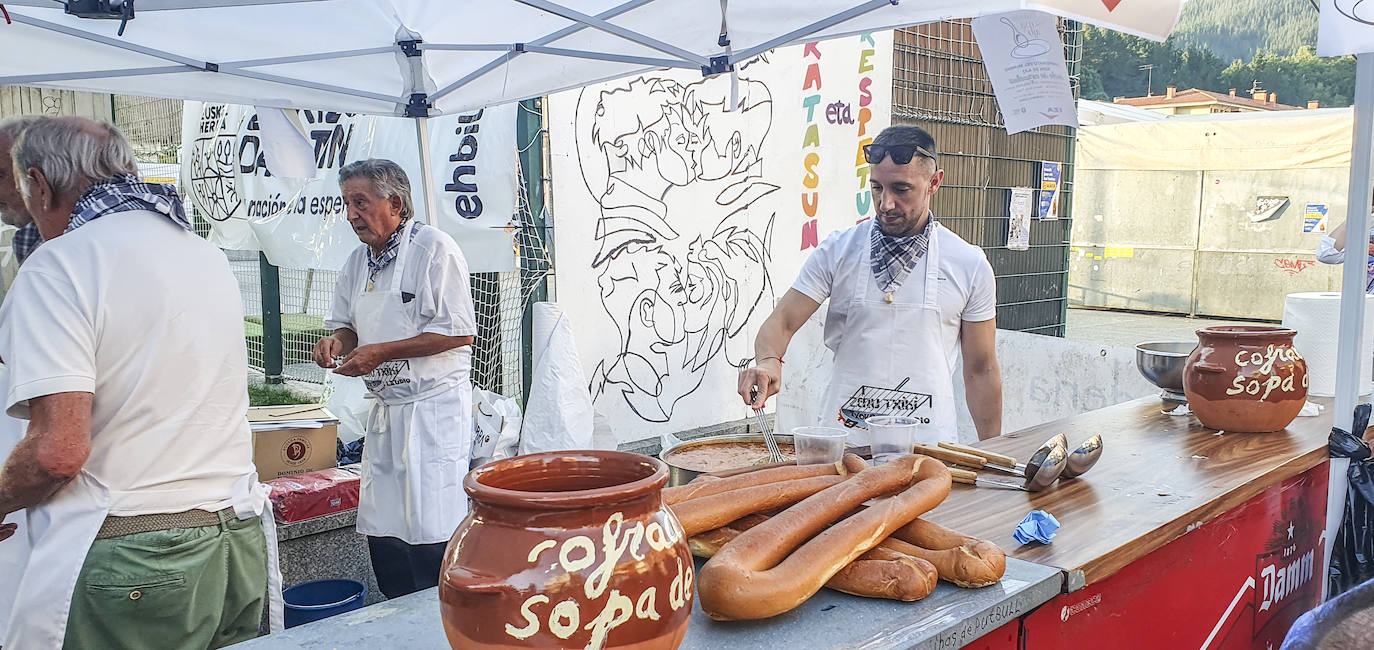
point(1126, 329)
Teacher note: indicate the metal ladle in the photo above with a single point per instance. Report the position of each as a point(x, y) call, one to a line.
point(1049, 462)
point(1032, 467)
point(1083, 457)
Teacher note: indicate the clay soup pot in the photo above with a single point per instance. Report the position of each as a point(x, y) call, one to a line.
point(567, 550)
point(1245, 378)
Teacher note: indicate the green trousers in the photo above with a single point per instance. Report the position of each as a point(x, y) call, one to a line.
point(181, 588)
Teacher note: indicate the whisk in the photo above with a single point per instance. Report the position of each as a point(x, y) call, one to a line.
point(774, 454)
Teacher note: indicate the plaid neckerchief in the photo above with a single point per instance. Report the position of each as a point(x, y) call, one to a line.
point(893, 258)
point(125, 193)
point(375, 263)
point(26, 241)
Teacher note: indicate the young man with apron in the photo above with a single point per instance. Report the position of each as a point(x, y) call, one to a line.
point(123, 339)
point(906, 297)
point(403, 320)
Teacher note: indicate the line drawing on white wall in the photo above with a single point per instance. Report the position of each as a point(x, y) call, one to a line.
point(1357, 10)
point(680, 278)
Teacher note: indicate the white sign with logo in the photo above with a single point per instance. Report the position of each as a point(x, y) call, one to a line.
point(301, 223)
point(1025, 62)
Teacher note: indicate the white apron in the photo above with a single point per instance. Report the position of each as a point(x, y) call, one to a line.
point(14, 552)
point(884, 344)
point(419, 431)
point(62, 530)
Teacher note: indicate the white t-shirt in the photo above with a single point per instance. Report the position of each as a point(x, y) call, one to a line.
point(968, 288)
point(436, 274)
point(147, 317)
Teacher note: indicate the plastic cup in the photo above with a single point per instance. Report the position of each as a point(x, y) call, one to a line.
point(891, 436)
point(819, 445)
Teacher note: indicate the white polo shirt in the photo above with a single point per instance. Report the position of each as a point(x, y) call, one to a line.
point(146, 316)
point(968, 288)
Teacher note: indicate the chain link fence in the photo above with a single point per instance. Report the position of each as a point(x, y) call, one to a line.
point(940, 84)
point(153, 127)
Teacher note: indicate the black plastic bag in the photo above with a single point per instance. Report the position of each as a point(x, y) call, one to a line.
point(1352, 552)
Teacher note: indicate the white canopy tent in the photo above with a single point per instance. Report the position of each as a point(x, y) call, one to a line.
point(420, 58)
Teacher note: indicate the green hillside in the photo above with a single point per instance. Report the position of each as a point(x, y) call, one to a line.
point(1219, 45)
point(1237, 29)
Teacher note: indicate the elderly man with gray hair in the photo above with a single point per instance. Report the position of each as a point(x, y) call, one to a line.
point(403, 320)
point(123, 335)
point(12, 210)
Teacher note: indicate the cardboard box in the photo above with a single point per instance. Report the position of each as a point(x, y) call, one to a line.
point(289, 440)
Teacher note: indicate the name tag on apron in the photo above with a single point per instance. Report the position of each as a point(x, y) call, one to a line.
point(388, 375)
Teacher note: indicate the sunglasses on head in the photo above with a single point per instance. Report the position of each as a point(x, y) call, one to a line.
point(901, 153)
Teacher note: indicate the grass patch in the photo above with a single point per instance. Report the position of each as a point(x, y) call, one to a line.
point(273, 395)
point(299, 333)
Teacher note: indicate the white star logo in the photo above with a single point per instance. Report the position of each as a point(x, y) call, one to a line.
point(1290, 530)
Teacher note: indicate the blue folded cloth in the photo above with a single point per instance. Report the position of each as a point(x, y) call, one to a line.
point(1038, 525)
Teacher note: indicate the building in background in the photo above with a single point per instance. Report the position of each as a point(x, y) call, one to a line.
point(1196, 101)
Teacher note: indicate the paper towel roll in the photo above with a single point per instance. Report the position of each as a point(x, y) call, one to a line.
point(1316, 316)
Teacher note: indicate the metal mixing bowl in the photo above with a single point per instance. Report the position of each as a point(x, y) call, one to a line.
point(1162, 362)
point(680, 475)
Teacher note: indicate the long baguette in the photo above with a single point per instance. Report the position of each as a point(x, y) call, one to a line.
point(706, 487)
point(710, 512)
point(878, 573)
point(777, 565)
point(884, 573)
point(965, 561)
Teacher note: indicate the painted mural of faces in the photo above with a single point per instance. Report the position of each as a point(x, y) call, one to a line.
point(680, 274)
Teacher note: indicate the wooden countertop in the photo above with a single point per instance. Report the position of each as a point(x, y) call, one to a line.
point(1159, 477)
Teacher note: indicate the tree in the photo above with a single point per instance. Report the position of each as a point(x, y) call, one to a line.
point(1090, 86)
point(1113, 61)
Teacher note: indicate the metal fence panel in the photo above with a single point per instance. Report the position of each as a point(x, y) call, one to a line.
point(940, 84)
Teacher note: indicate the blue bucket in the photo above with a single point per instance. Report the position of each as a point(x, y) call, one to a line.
point(317, 599)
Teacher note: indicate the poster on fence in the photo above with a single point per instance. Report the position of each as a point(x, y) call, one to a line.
point(1019, 220)
point(1050, 176)
point(680, 223)
point(1024, 59)
point(301, 223)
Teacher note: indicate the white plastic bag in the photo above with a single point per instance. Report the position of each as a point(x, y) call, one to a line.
point(558, 413)
point(346, 398)
point(495, 426)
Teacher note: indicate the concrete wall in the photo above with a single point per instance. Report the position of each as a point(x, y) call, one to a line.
point(1134, 237)
point(1046, 378)
point(1184, 241)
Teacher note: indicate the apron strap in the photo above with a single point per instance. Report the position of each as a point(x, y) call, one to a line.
point(932, 297)
point(409, 399)
point(402, 256)
point(250, 499)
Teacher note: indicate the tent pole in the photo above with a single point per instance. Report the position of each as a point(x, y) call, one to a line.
point(1353, 278)
point(430, 213)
